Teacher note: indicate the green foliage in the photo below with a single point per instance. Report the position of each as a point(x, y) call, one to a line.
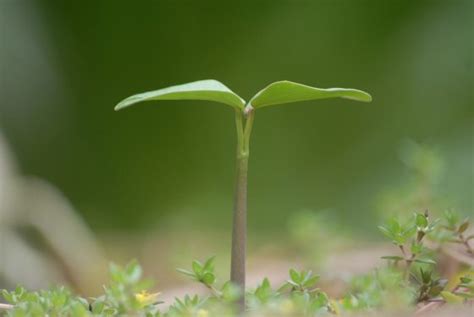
point(276, 93)
point(55, 302)
point(282, 92)
point(429, 286)
point(127, 294)
point(383, 288)
point(463, 292)
point(210, 90)
point(300, 281)
point(398, 233)
point(203, 273)
point(262, 294)
point(454, 230)
point(411, 234)
point(188, 306)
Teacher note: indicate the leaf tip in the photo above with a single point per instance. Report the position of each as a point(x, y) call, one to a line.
point(119, 106)
point(361, 96)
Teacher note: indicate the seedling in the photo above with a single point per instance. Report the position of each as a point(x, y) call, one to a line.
point(413, 234)
point(457, 229)
point(276, 93)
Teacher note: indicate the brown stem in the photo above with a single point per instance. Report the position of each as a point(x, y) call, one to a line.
point(239, 229)
point(466, 244)
point(239, 232)
point(5, 306)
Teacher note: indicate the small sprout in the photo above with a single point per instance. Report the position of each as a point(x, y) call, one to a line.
point(412, 232)
point(203, 273)
point(300, 281)
point(230, 292)
point(421, 221)
point(274, 94)
point(264, 292)
point(456, 230)
point(451, 219)
point(399, 234)
point(429, 286)
point(188, 306)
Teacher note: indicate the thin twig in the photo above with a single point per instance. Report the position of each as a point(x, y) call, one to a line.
point(5, 306)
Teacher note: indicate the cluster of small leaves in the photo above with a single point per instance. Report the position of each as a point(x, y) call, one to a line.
point(203, 273)
point(220, 301)
point(126, 295)
point(428, 285)
point(55, 302)
point(410, 234)
point(454, 231)
point(383, 288)
point(297, 295)
point(463, 292)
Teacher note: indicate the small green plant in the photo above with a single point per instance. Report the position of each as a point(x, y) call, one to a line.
point(276, 93)
point(383, 287)
point(127, 294)
point(298, 293)
point(409, 238)
point(456, 230)
point(428, 285)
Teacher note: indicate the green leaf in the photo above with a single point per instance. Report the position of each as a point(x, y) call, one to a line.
point(451, 297)
point(295, 276)
point(311, 281)
point(210, 90)
point(393, 257)
point(389, 234)
point(264, 291)
point(197, 267)
point(208, 278)
point(286, 92)
point(230, 292)
point(463, 227)
point(416, 248)
point(425, 261)
point(186, 272)
point(133, 271)
point(421, 221)
point(285, 287)
point(209, 264)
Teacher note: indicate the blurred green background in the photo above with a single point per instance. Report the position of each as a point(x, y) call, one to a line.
point(170, 165)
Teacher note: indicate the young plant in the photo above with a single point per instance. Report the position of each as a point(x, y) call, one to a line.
point(428, 286)
point(412, 234)
point(457, 229)
point(276, 93)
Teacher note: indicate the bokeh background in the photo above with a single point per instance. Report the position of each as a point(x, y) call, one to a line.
point(155, 182)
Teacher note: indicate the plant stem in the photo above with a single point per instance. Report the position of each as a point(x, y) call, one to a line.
point(465, 242)
point(5, 306)
point(239, 230)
